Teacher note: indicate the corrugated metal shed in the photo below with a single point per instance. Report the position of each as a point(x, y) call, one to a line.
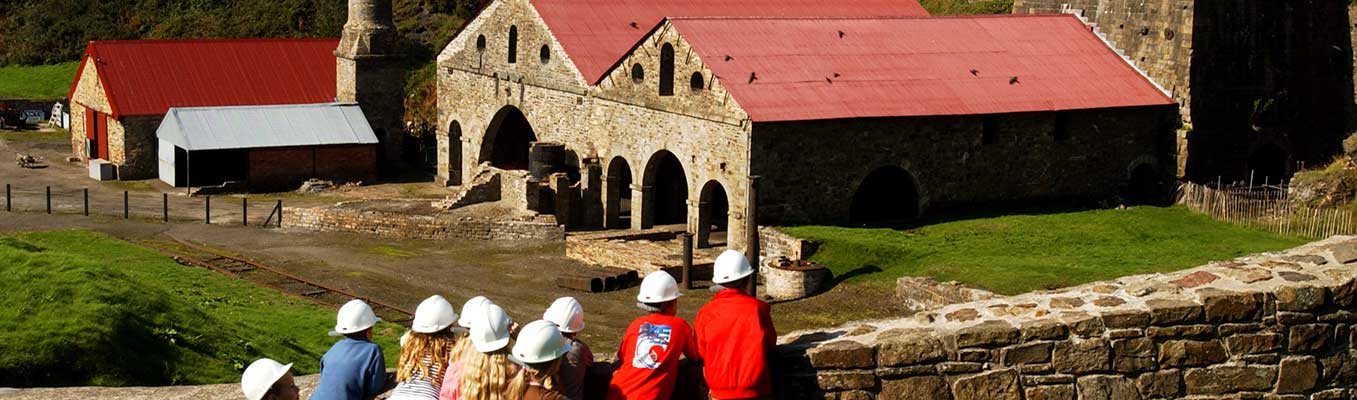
point(597, 33)
point(147, 77)
point(825, 68)
point(220, 128)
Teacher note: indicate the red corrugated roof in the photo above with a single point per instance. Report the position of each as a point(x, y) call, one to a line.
point(147, 77)
point(597, 33)
point(914, 66)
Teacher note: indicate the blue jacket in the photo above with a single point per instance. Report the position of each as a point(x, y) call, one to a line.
point(351, 370)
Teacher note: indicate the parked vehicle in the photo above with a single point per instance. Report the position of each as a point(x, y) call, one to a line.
point(33, 117)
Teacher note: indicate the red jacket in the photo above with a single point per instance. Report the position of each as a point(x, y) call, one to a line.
point(649, 358)
point(735, 337)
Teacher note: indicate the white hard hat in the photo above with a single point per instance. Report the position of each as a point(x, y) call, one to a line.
point(260, 376)
point(658, 287)
point(469, 310)
point(730, 266)
point(490, 329)
point(539, 342)
point(433, 315)
point(567, 314)
point(354, 316)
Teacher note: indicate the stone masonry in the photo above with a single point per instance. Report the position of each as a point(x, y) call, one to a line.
point(1252, 78)
point(131, 140)
point(1268, 326)
point(440, 226)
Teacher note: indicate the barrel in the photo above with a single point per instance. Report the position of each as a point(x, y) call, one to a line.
point(545, 158)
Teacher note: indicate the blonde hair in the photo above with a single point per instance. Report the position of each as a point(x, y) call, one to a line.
point(437, 347)
point(491, 376)
point(545, 374)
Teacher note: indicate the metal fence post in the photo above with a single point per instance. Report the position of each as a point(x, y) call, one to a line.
point(49, 199)
point(7, 197)
point(165, 206)
point(207, 209)
point(126, 207)
point(87, 200)
point(244, 211)
point(280, 213)
point(687, 261)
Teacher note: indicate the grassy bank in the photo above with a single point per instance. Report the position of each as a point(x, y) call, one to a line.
point(1019, 253)
point(43, 82)
point(82, 308)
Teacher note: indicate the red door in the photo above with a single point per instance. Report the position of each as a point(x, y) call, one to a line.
point(103, 136)
point(91, 129)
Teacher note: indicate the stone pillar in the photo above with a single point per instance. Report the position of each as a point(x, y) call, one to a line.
point(642, 216)
point(699, 217)
point(591, 193)
point(449, 160)
point(612, 203)
point(469, 162)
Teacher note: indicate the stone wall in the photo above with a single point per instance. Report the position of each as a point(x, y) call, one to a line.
point(773, 244)
point(1271, 326)
point(287, 167)
point(131, 140)
point(427, 227)
point(950, 162)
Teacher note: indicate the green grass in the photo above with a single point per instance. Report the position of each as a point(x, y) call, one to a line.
point(1020, 253)
point(82, 308)
point(41, 82)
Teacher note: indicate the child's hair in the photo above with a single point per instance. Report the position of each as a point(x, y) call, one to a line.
point(491, 376)
point(545, 374)
point(436, 347)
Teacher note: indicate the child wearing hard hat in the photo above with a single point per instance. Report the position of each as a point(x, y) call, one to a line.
point(266, 379)
point(652, 345)
point(452, 381)
point(568, 315)
point(354, 367)
point(735, 334)
point(427, 351)
point(488, 373)
point(539, 349)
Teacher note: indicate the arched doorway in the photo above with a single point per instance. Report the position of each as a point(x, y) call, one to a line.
point(887, 196)
point(507, 140)
point(1267, 163)
point(1145, 186)
point(713, 217)
point(617, 209)
point(666, 201)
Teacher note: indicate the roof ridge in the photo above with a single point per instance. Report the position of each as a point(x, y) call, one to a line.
point(208, 40)
point(882, 17)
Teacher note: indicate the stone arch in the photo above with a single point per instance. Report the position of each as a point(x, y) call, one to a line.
point(888, 195)
point(667, 70)
point(617, 194)
point(697, 83)
point(507, 140)
point(664, 191)
point(713, 215)
point(1268, 163)
point(1144, 183)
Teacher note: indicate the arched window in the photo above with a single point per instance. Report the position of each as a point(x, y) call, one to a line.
point(545, 53)
point(480, 43)
point(513, 44)
point(667, 70)
point(697, 83)
point(638, 74)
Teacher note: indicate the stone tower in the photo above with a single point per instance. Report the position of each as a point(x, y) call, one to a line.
point(369, 73)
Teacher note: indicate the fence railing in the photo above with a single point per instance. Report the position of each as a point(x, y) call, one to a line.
point(1269, 208)
point(51, 200)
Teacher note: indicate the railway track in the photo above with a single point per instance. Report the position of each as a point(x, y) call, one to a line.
point(261, 274)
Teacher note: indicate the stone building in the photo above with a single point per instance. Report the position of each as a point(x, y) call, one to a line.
point(849, 111)
point(368, 72)
point(1264, 87)
point(123, 89)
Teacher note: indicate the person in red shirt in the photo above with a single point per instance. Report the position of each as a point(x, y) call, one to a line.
point(735, 334)
point(649, 356)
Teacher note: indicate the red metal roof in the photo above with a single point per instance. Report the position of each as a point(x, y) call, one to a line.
point(879, 67)
point(147, 77)
point(597, 33)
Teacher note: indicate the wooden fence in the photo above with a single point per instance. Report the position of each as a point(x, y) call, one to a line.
point(1269, 208)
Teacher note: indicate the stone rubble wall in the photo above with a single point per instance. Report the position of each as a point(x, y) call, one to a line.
point(1269, 326)
point(773, 244)
point(426, 227)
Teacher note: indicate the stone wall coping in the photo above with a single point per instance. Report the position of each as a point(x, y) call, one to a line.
point(1133, 301)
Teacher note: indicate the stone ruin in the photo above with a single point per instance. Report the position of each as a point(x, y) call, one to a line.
point(1268, 326)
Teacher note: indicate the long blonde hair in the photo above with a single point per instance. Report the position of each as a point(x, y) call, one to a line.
point(437, 347)
point(545, 374)
point(491, 376)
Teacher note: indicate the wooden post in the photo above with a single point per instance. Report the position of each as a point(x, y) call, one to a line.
point(7, 197)
point(86, 192)
point(49, 199)
point(126, 213)
point(207, 209)
point(165, 206)
point(244, 211)
point(280, 213)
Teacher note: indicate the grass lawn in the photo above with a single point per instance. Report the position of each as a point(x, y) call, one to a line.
point(1020, 253)
point(43, 82)
point(82, 308)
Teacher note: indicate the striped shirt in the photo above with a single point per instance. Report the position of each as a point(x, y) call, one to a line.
point(419, 387)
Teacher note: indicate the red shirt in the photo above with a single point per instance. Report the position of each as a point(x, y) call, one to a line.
point(735, 336)
point(650, 356)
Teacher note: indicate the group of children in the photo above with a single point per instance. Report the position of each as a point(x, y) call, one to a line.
point(451, 356)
